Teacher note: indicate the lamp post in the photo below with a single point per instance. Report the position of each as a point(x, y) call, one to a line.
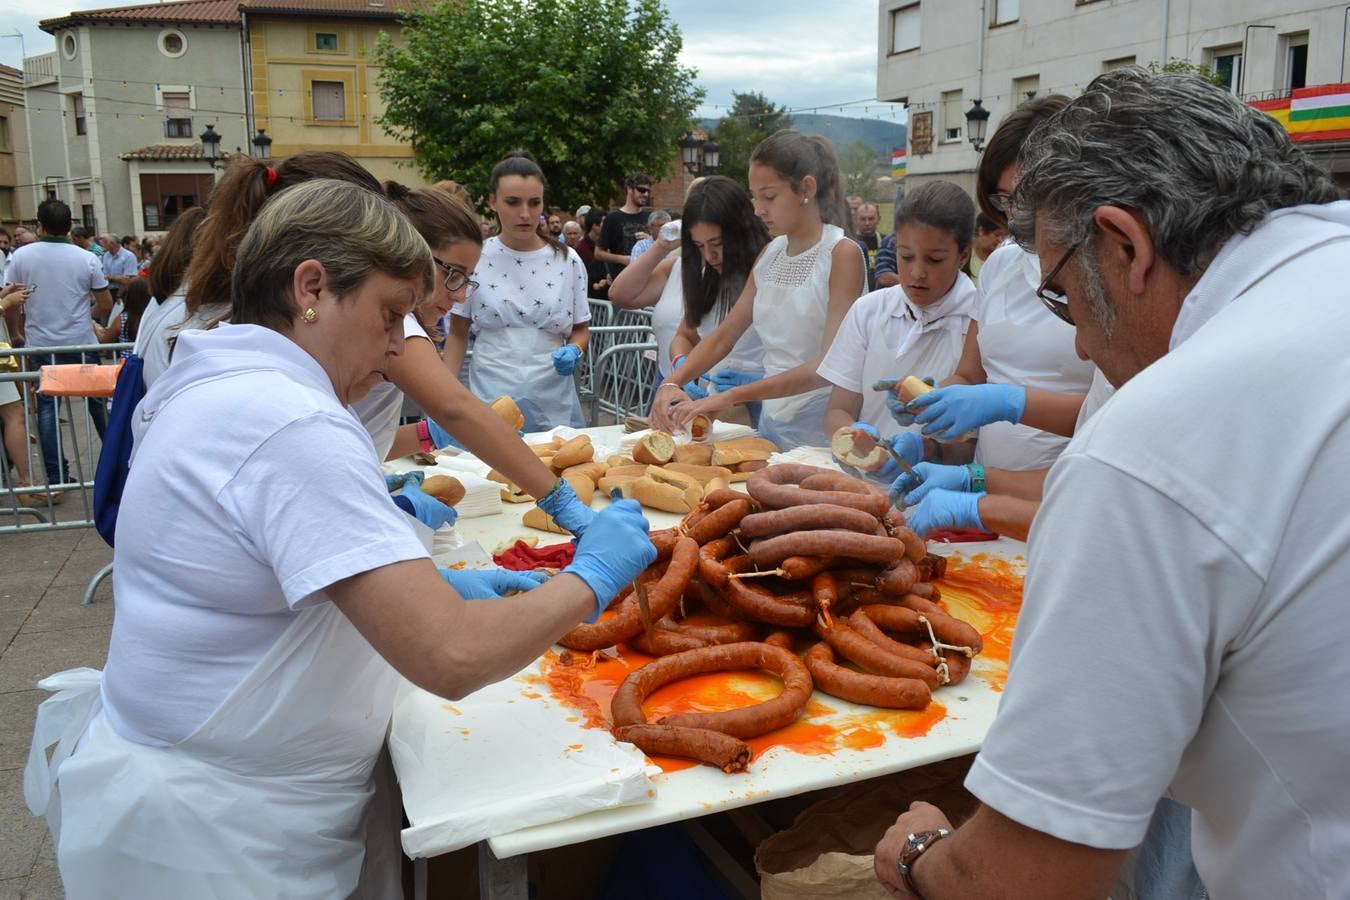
point(262, 145)
point(211, 146)
point(700, 157)
point(977, 120)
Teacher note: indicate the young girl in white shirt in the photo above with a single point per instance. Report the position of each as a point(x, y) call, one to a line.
point(803, 283)
point(918, 325)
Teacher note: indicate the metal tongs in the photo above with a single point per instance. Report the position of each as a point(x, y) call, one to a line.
point(640, 589)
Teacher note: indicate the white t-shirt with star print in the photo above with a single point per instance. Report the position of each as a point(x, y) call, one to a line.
point(540, 289)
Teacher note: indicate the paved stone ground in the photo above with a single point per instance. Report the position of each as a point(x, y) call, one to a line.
point(43, 629)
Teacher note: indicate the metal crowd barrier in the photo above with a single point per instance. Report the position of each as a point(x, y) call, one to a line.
point(601, 384)
point(626, 375)
point(43, 506)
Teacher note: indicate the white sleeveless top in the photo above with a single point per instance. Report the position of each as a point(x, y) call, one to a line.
point(746, 356)
point(792, 298)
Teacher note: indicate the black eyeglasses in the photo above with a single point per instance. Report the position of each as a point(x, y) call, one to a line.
point(642, 190)
point(1001, 201)
point(455, 279)
point(1053, 299)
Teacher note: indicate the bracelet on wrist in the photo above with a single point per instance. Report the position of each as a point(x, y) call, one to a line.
point(553, 490)
point(977, 478)
point(424, 437)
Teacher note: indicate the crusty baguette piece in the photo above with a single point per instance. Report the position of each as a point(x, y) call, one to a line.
point(573, 453)
point(912, 387)
point(704, 474)
point(740, 477)
point(694, 454)
point(445, 488)
point(636, 469)
point(734, 456)
point(667, 497)
point(623, 482)
point(512, 493)
point(843, 445)
point(617, 460)
point(582, 486)
point(664, 475)
point(592, 470)
point(657, 448)
point(537, 518)
point(716, 484)
point(506, 408)
point(749, 443)
point(752, 465)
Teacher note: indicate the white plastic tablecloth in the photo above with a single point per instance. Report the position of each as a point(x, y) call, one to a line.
point(427, 737)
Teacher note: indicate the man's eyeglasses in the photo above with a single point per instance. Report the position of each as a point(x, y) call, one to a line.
point(455, 279)
point(1053, 299)
point(641, 190)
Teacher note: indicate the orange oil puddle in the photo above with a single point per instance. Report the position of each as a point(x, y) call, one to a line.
point(984, 590)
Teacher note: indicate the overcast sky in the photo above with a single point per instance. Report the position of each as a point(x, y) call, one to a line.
point(802, 54)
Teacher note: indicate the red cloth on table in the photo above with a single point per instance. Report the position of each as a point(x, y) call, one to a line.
point(959, 535)
point(521, 557)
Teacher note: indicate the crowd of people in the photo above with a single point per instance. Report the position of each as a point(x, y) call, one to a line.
point(1183, 570)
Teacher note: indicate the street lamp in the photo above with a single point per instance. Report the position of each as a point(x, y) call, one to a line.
point(262, 145)
point(210, 145)
point(700, 156)
point(977, 120)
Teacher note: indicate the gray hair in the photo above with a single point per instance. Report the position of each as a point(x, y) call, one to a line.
point(351, 230)
point(658, 217)
point(1200, 165)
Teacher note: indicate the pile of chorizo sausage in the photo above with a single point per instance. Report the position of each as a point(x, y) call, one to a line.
point(809, 553)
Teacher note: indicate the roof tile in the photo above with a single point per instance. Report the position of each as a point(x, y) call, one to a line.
point(205, 12)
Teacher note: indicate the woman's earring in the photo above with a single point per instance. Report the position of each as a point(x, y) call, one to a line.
point(311, 315)
point(804, 201)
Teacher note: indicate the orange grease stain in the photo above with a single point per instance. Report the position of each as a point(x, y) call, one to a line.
point(530, 695)
point(984, 590)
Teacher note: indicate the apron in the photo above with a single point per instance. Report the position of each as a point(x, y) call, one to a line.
point(269, 798)
point(518, 362)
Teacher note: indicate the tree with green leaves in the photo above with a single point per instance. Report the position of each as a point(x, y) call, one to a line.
point(752, 118)
point(592, 88)
point(860, 163)
point(1178, 66)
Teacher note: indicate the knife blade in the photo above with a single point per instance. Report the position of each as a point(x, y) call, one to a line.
point(900, 461)
point(640, 589)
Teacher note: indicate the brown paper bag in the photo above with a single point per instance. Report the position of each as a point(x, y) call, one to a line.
point(827, 853)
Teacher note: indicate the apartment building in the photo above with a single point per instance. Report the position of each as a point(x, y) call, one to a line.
point(16, 171)
point(938, 58)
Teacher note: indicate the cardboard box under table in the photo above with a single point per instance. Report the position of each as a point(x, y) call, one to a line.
point(516, 768)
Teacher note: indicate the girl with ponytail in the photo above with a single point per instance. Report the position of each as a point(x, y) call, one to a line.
point(803, 284)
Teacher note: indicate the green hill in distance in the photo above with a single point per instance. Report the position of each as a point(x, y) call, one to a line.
point(882, 134)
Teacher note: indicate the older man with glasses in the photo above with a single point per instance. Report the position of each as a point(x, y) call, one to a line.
point(1183, 629)
point(622, 225)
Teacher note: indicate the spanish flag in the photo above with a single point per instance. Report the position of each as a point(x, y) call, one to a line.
point(898, 163)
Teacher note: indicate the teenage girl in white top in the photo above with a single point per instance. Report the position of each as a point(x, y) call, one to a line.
point(804, 283)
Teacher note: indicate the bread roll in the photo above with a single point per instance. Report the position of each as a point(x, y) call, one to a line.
point(657, 448)
point(694, 454)
point(704, 474)
point(664, 475)
point(749, 443)
point(667, 497)
point(582, 486)
point(700, 427)
point(717, 484)
point(623, 482)
point(512, 493)
point(444, 488)
point(592, 470)
point(537, 518)
point(636, 470)
point(912, 387)
point(844, 447)
point(573, 453)
point(510, 413)
point(752, 465)
point(617, 460)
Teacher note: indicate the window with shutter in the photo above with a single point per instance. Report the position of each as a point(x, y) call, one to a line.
point(953, 116)
point(177, 115)
point(329, 102)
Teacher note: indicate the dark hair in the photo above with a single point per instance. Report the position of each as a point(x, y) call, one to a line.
point(78, 231)
point(794, 156)
point(719, 201)
point(942, 205)
point(638, 179)
point(439, 216)
point(983, 223)
point(1006, 144)
point(521, 163)
point(236, 201)
point(135, 298)
point(54, 217)
point(593, 218)
point(175, 253)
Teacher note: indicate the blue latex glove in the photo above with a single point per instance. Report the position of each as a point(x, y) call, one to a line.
point(898, 411)
point(907, 490)
point(566, 508)
point(489, 584)
point(727, 379)
point(565, 358)
point(440, 437)
point(613, 552)
point(949, 412)
point(692, 389)
point(946, 509)
point(907, 443)
point(422, 507)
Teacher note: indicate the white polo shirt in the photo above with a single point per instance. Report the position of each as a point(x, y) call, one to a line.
point(58, 313)
point(232, 521)
point(1185, 617)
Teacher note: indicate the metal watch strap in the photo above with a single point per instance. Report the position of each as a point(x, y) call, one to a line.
point(916, 846)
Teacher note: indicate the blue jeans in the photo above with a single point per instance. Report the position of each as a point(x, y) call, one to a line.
point(47, 416)
point(1164, 869)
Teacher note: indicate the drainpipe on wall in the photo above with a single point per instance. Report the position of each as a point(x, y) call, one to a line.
point(1166, 20)
point(250, 126)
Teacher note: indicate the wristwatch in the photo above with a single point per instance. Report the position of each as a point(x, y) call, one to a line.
point(914, 848)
